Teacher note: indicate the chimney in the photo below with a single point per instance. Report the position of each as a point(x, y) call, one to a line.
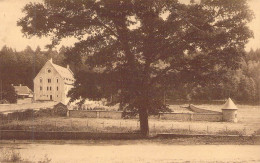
point(20, 85)
point(68, 66)
point(51, 60)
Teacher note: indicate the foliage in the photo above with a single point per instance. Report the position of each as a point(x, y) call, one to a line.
point(242, 84)
point(144, 46)
point(8, 93)
point(8, 155)
point(19, 67)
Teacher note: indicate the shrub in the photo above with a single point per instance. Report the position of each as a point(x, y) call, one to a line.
point(10, 155)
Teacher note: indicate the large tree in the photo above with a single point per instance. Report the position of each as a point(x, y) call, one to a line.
point(135, 48)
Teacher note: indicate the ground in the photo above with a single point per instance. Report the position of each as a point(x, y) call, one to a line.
point(248, 123)
point(126, 151)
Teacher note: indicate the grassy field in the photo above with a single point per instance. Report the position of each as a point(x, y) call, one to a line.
point(248, 116)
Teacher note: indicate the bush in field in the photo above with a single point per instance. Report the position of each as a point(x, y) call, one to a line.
point(45, 159)
point(10, 155)
point(59, 111)
point(257, 132)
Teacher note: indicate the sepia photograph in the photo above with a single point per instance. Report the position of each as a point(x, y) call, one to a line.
point(131, 81)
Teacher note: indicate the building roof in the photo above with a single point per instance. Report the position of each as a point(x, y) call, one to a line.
point(22, 90)
point(65, 73)
point(229, 105)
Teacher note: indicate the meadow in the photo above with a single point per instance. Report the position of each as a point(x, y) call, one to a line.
point(248, 124)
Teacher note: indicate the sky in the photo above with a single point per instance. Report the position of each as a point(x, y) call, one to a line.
point(11, 35)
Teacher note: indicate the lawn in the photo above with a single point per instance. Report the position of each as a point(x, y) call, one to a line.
point(248, 116)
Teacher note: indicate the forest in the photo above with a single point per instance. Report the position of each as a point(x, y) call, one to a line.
point(242, 84)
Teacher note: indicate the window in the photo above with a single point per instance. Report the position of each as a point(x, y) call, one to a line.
point(47, 88)
point(50, 88)
point(57, 95)
point(57, 80)
point(49, 80)
point(57, 88)
point(40, 88)
point(49, 70)
point(40, 80)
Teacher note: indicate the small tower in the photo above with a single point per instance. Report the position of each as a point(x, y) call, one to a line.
point(229, 111)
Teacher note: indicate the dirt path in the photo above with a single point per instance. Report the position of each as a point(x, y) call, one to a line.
point(135, 152)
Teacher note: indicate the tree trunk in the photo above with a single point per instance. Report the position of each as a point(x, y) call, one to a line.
point(143, 117)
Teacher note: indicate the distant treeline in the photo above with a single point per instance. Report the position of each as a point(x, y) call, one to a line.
point(241, 85)
point(19, 68)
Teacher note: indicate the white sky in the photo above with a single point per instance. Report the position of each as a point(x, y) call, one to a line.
point(11, 35)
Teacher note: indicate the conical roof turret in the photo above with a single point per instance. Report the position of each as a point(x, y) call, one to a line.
point(229, 105)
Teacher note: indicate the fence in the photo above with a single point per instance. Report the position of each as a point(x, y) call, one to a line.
point(95, 114)
point(212, 117)
point(96, 125)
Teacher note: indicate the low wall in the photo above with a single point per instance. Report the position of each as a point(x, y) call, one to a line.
point(95, 114)
point(176, 116)
point(110, 114)
point(210, 117)
point(83, 114)
point(199, 110)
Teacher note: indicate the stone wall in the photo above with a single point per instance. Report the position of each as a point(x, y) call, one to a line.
point(110, 114)
point(207, 117)
point(95, 114)
point(176, 116)
point(83, 114)
point(211, 117)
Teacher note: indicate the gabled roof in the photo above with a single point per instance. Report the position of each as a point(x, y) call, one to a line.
point(64, 72)
point(229, 105)
point(22, 90)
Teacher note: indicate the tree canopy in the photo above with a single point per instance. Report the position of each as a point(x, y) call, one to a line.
point(137, 49)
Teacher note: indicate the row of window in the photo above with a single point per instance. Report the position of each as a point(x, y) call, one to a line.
point(48, 88)
point(48, 95)
point(68, 79)
point(57, 80)
point(49, 80)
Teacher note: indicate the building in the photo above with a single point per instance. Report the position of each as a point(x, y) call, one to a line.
point(53, 83)
point(229, 111)
point(24, 94)
point(23, 91)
